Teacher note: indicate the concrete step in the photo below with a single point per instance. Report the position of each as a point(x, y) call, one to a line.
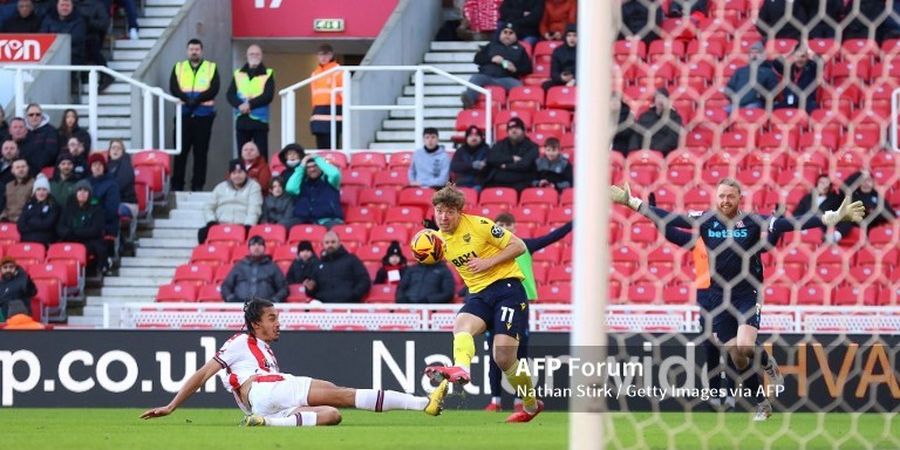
point(115, 88)
point(156, 272)
point(182, 196)
point(435, 80)
point(129, 292)
point(161, 11)
point(111, 122)
point(447, 90)
point(449, 57)
point(164, 2)
point(124, 65)
point(186, 214)
point(128, 44)
point(136, 55)
point(170, 223)
point(405, 124)
point(174, 233)
point(146, 281)
point(147, 243)
point(392, 146)
point(191, 205)
point(454, 101)
point(93, 311)
point(456, 46)
point(457, 68)
point(156, 252)
point(150, 33)
point(153, 22)
point(113, 133)
point(408, 136)
point(115, 111)
point(152, 262)
point(85, 321)
point(429, 113)
point(115, 301)
point(120, 99)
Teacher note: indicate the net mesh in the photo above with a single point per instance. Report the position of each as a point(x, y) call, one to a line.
point(793, 101)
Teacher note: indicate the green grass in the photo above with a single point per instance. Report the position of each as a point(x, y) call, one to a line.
point(217, 428)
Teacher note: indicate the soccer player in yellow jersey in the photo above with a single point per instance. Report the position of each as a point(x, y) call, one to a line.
point(484, 254)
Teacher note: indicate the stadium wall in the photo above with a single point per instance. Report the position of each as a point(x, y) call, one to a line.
point(75, 368)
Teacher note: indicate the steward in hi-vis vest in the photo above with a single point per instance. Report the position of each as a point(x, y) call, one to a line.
point(251, 93)
point(320, 120)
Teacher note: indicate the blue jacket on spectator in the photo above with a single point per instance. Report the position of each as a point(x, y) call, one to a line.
point(318, 200)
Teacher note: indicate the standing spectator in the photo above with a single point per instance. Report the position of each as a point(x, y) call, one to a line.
point(878, 212)
point(430, 164)
point(43, 139)
point(558, 14)
point(341, 277)
point(96, 17)
point(130, 13)
point(62, 185)
point(37, 223)
point(4, 127)
point(250, 93)
point(65, 20)
point(695, 8)
point(511, 160)
point(290, 156)
point(237, 201)
point(9, 152)
point(69, 128)
point(660, 127)
point(426, 283)
point(15, 286)
point(622, 140)
point(195, 81)
point(278, 206)
point(801, 75)
point(105, 193)
point(479, 19)
point(825, 17)
point(122, 171)
point(562, 61)
point(79, 157)
point(316, 187)
point(393, 265)
point(470, 160)
point(256, 275)
point(641, 19)
point(782, 19)
point(305, 265)
point(83, 222)
point(320, 120)
point(18, 191)
point(525, 16)
point(256, 165)
point(500, 63)
point(25, 21)
point(553, 170)
point(750, 86)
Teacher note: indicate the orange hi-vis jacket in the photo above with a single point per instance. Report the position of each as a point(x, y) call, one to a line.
point(321, 88)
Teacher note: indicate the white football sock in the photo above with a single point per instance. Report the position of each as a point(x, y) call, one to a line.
point(378, 400)
point(302, 419)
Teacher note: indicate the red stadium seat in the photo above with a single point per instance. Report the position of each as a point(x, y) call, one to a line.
point(488, 211)
point(543, 50)
point(336, 158)
point(307, 232)
point(380, 197)
point(552, 120)
point(529, 214)
point(643, 292)
point(364, 215)
point(49, 294)
point(9, 234)
point(560, 214)
point(540, 197)
point(526, 97)
point(177, 293)
point(297, 294)
point(373, 252)
point(626, 49)
point(284, 256)
point(211, 254)
point(884, 236)
point(415, 196)
point(210, 293)
point(410, 216)
point(26, 253)
point(677, 294)
point(498, 98)
point(152, 158)
point(358, 176)
point(274, 234)
point(352, 232)
point(567, 197)
point(778, 295)
point(382, 293)
point(197, 274)
point(400, 160)
point(375, 160)
point(154, 177)
point(813, 294)
point(549, 255)
point(397, 178)
point(559, 293)
point(506, 197)
point(350, 194)
point(226, 234)
point(559, 274)
point(469, 117)
point(388, 233)
point(562, 97)
point(222, 273)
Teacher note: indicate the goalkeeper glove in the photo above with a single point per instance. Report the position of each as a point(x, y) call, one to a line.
point(622, 196)
point(847, 212)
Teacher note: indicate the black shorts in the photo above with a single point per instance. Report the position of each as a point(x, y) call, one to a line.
point(708, 303)
point(503, 306)
point(729, 314)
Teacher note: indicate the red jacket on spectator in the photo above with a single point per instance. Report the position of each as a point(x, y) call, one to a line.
point(482, 15)
point(259, 171)
point(558, 14)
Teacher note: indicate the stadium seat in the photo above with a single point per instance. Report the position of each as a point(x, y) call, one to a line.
point(381, 293)
point(561, 97)
point(552, 120)
point(373, 252)
point(498, 97)
point(539, 197)
point(336, 158)
point(152, 158)
point(548, 256)
point(559, 293)
point(233, 235)
point(211, 254)
point(49, 294)
point(350, 194)
point(560, 215)
point(374, 160)
point(643, 292)
point(812, 295)
point(488, 211)
point(379, 197)
point(198, 274)
point(222, 272)
point(297, 294)
point(410, 216)
point(884, 236)
point(368, 216)
point(284, 255)
point(543, 50)
point(154, 177)
point(629, 49)
point(469, 117)
point(351, 233)
point(643, 234)
point(45, 271)
point(415, 196)
point(778, 295)
point(177, 293)
point(388, 233)
point(503, 196)
point(307, 232)
point(529, 215)
point(274, 234)
point(676, 294)
point(26, 253)
point(395, 177)
point(210, 293)
point(854, 295)
point(359, 176)
point(526, 97)
point(559, 274)
point(9, 234)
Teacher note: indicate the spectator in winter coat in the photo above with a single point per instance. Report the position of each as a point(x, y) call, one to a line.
point(83, 221)
point(64, 19)
point(694, 8)
point(290, 156)
point(305, 265)
point(622, 140)
point(659, 128)
point(18, 191)
point(863, 19)
point(236, 201)
point(316, 187)
point(257, 166)
point(525, 16)
point(278, 206)
point(470, 160)
point(9, 152)
point(37, 223)
point(430, 164)
point(558, 14)
point(69, 128)
point(641, 19)
point(79, 157)
point(822, 198)
point(393, 265)
point(782, 19)
point(26, 20)
point(562, 61)
point(878, 212)
point(752, 85)
point(500, 63)
point(341, 277)
point(15, 285)
point(42, 144)
point(62, 185)
point(552, 169)
point(426, 283)
point(255, 276)
point(121, 170)
point(105, 193)
point(97, 21)
point(511, 160)
point(800, 75)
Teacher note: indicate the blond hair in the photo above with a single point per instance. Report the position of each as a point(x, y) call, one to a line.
point(730, 182)
point(449, 196)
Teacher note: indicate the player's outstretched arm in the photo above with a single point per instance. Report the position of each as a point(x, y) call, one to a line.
point(622, 195)
point(847, 212)
point(190, 386)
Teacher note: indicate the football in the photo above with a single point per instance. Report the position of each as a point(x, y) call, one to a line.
point(427, 247)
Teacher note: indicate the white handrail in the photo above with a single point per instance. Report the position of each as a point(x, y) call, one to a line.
point(895, 110)
point(148, 92)
point(289, 99)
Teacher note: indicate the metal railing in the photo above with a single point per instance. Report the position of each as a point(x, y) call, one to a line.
point(149, 93)
point(289, 102)
point(895, 111)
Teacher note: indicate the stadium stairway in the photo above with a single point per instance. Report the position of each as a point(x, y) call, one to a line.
point(442, 102)
point(137, 280)
point(126, 55)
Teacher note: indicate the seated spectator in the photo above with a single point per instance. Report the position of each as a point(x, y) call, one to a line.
point(641, 19)
point(782, 19)
point(393, 265)
point(305, 265)
point(863, 19)
point(525, 16)
point(237, 201)
point(624, 133)
point(695, 8)
point(42, 144)
point(37, 223)
point(9, 152)
point(256, 275)
point(62, 185)
point(801, 75)
point(750, 86)
point(4, 127)
point(69, 128)
point(83, 221)
point(316, 187)
point(562, 61)
point(257, 166)
point(500, 63)
point(470, 160)
point(105, 193)
point(19, 133)
point(426, 283)
point(553, 170)
point(479, 20)
point(76, 151)
point(20, 318)
point(430, 164)
point(660, 127)
point(15, 286)
point(65, 20)
point(557, 15)
point(278, 206)
point(341, 277)
point(122, 171)
point(290, 156)
point(511, 160)
point(822, 198)
point(878, 212)
point(26, 20)
point(18, 191)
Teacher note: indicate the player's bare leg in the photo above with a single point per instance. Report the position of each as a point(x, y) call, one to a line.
point(506, 349)
point(306, 416)
point(742, 350)
point(466, 327)
point(326, 393)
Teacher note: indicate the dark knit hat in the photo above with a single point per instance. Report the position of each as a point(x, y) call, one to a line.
point(474, 130)
point(97, 157)
point(394, 249)
point(508, 26)
point(571, 28)
point(84, 184)
point(66, 156)
point(235, 165)
point(304, 245)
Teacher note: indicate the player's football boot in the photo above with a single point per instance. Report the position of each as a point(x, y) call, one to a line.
point(518, 406)
point(523, 416)
point(436, 399)
point(253, 420)
point(774, 373)
point(493, 407)
point(453, 374)
point(763, 411)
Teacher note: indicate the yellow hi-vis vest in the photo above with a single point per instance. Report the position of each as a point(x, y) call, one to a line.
point(193, 84)
point(248, 88)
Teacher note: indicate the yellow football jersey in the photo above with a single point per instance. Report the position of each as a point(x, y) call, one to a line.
point(477, 237)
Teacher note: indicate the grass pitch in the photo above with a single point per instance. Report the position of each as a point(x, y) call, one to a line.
point(26, 429)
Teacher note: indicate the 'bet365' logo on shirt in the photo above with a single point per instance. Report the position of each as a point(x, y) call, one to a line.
point(725, 234)
point(463, 259)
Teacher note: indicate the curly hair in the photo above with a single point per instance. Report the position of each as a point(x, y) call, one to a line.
point(449, 196)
